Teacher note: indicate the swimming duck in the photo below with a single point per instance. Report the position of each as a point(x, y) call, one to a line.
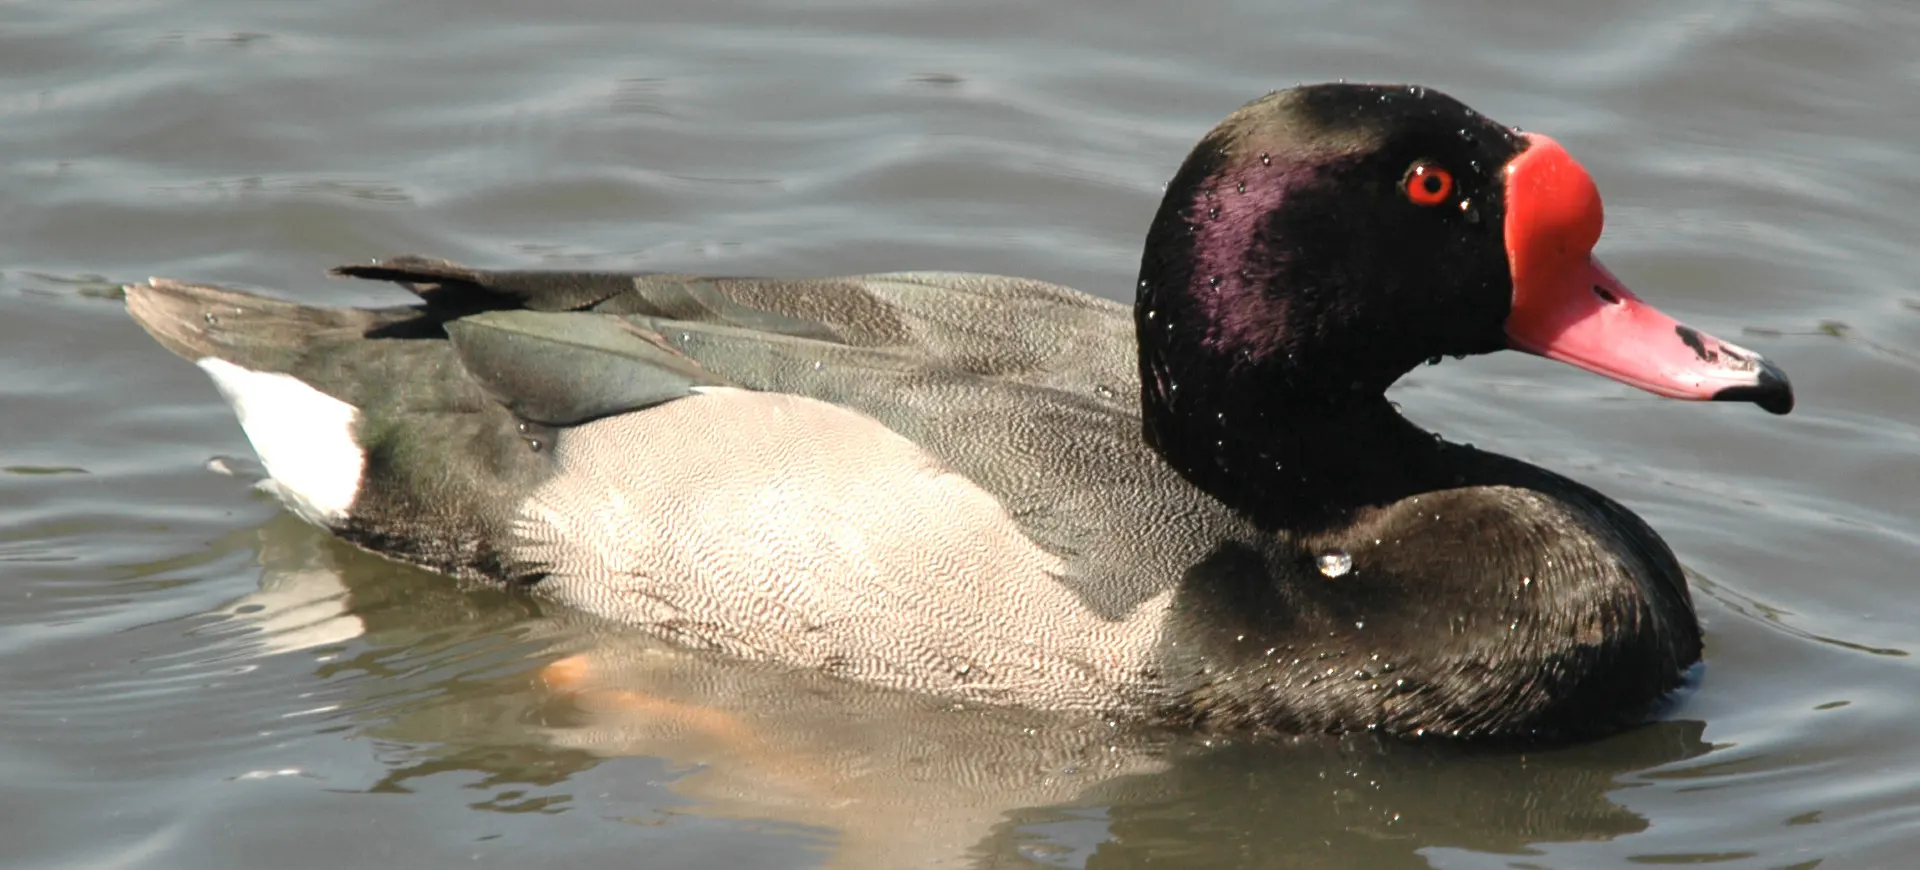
point(1201, 511)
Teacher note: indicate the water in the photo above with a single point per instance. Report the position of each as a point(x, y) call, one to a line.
point(191, 678)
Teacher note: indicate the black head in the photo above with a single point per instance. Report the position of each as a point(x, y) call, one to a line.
point(1323, 240)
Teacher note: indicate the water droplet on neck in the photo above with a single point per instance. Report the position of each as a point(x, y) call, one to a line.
point(1335, 563)
point(1265, 159)
point(1103, 391)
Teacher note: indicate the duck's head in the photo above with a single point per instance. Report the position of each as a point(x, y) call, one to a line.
point(1322, 241)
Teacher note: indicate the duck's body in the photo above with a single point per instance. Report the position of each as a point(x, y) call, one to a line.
point(955, 484)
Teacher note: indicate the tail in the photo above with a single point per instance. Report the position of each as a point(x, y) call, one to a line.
point(200, 321)
point(364, 418)
point(249, 345)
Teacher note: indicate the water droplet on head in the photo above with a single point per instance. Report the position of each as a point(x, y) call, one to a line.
point(1103, 391)
point(1335, 563)
point(1265, 159)
point(1433, 360)
point(818, 365)
point(1240, 188)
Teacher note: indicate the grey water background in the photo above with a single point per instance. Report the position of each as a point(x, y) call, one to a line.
point(191, 678)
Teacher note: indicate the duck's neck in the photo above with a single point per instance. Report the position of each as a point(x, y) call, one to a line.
point(1284, 458)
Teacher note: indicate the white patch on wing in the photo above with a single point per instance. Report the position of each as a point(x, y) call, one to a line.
point(304, 438)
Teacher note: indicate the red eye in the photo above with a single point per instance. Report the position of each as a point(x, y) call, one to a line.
point(1428, 184)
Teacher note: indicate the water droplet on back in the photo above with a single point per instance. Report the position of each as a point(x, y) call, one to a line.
point(1335, 563)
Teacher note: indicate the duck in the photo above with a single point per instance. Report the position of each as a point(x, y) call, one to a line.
point(1200, 511)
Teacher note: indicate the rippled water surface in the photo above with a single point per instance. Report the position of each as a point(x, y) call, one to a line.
point(191, 678)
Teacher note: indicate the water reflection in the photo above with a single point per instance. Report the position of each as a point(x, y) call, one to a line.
point(518, 698)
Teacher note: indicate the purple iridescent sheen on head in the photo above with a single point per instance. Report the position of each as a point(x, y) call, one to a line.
point(1234, 267)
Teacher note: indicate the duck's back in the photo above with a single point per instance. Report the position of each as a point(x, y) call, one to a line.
point(930, 481)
